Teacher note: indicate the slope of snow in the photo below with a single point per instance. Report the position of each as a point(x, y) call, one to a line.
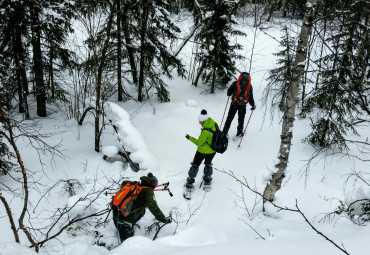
point(210, 223)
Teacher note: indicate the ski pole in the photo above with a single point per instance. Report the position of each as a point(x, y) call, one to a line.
point(164, 184)
point(245, 129)
point(224, 111)
point(164, 190)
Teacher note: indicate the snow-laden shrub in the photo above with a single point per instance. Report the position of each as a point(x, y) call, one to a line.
point(356, 205)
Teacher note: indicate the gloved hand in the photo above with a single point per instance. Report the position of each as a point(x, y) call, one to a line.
point(253, 107)
point(168, 219)
point(187, 136)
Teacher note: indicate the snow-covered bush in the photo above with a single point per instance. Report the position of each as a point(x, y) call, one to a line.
point(356, 205)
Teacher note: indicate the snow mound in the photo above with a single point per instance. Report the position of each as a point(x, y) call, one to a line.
point(110, 151)
point(361, 193)
point(191, 103)
point(130, 138)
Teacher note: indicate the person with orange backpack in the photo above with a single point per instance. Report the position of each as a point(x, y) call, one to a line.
point(242, 93)
point(129, 204)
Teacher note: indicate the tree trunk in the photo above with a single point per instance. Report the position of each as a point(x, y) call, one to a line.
point(37, 61)
point(142, 50)
point(321, 53)
point(200, 71)
point(213, 80)
point(11, 140)
point(119, 52)
point(288, 119)
point(273, 7)
point(237, 5)
point(130, 49)
point(51, 72)
point(16, 52)
point(19, 58)
point(10, 216)
point(99, 75)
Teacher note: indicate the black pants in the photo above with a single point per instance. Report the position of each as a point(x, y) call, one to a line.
point(241, 109)
point(125, 229)
point(198, 158)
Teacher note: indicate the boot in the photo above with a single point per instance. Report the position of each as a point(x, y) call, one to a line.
point(207, 183)
point(207, 180)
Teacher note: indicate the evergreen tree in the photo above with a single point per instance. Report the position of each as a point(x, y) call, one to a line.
point(340, 102)
point(217, 53)
point(56, 27)
point(13, 53)
point(281, 78)
point(5, 156)
point(45, 25)
point(154, 31)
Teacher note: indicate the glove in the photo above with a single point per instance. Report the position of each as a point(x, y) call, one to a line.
point(253, 107)
point(187, 136)
point(168, 219)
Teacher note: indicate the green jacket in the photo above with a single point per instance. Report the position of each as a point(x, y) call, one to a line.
point(205, 138)
point(145, 199)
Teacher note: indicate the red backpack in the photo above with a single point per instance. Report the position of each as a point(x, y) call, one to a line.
point(244, 86)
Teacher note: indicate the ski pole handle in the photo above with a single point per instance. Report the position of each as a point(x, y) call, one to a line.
point(164, 184)
point(164, 189)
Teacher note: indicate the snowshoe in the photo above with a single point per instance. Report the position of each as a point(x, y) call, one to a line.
point(207, 186)
point(188, 190)
point(206, 182)
point(238, 136)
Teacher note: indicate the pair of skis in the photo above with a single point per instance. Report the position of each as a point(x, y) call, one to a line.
point(188, 191)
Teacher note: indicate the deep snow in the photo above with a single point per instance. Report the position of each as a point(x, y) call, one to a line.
point(217, 225)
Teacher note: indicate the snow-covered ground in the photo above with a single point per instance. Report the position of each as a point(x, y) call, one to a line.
point(210, 223)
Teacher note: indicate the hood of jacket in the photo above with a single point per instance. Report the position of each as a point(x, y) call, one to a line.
point(209, 123)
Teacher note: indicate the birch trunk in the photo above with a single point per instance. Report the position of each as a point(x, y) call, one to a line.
point(291, 102)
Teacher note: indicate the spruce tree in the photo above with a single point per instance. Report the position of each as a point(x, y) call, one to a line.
point(155, 30)
point(340, 102)
point(217, 54)
point(5, 156)
point(56, 27)
point(280, 79)
point(13, 35)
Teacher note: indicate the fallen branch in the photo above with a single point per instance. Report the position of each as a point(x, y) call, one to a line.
point(297, 210)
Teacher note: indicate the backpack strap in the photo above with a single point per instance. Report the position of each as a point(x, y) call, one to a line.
point(208, 129)
point(213, 132)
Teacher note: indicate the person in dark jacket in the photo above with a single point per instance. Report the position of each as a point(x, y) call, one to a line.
point(145, 199)
point(242, 93)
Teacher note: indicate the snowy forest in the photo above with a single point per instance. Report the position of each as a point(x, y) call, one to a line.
point(94, 93)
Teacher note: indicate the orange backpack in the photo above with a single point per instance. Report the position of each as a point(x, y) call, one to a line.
point(125, 197)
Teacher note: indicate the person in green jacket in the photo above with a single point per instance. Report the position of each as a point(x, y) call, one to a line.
point(204, 151)
point(145, 199)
